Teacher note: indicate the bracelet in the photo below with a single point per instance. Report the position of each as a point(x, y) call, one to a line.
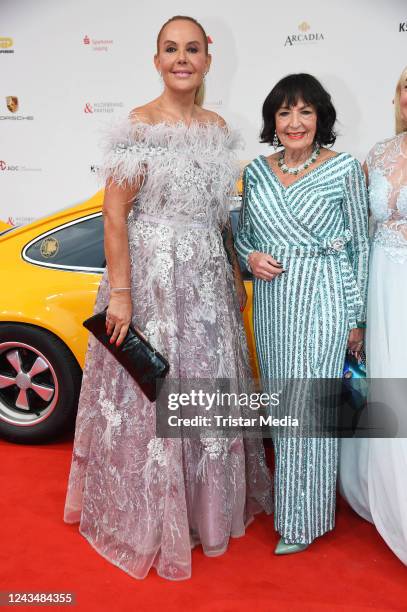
point(120, 289)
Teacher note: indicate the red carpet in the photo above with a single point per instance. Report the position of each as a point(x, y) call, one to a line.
point(349, 569)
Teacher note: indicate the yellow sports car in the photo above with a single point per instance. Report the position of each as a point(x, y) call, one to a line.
point(49, 273)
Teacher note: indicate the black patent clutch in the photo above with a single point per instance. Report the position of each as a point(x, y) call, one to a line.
point(146, 365)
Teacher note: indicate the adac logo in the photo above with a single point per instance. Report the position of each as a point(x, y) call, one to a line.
point(12, 103)
point(4, 166)
point(403, 26)
point(5, 44)
point(304, 37)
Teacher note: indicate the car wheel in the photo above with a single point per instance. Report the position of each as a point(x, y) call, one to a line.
point(40, 381)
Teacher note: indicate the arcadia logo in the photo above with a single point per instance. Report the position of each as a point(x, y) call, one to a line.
point(304, 37)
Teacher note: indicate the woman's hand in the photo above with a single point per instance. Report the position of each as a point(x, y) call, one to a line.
point(118, 317)
point(355, 341)
point(241, 292)
point(264, 266)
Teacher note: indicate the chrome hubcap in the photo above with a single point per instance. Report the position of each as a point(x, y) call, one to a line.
point(28, 384)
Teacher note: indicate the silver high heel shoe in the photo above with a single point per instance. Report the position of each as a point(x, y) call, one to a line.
point(283, 548)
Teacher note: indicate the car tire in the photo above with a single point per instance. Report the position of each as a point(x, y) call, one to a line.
point(40, 382)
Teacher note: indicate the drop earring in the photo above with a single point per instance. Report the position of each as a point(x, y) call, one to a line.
point(276, 141)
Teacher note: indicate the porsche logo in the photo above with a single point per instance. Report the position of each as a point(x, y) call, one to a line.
point(49, 247)
point(12, 103)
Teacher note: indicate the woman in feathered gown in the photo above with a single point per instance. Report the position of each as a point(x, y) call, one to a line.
point(373, 471)
point(141, 500)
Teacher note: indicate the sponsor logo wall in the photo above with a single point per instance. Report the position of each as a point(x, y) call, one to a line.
point(63, 83)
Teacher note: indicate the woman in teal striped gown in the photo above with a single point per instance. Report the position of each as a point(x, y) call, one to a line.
point(303, 232)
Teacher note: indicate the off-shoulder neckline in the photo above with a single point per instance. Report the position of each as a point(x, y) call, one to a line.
point(179, 124)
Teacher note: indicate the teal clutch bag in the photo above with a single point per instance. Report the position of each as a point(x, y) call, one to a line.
point(353, 367)
point(354, 379)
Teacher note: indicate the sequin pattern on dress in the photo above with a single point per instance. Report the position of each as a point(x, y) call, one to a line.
point(317, 228)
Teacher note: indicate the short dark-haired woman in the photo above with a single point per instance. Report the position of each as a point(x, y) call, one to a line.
point(303, 232)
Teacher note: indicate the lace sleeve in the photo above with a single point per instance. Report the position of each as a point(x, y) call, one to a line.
point(383, 156)
point(355, 211)
point(244, 236)
point(370, 159)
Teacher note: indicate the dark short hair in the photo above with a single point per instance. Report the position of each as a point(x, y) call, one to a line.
point(288, 91)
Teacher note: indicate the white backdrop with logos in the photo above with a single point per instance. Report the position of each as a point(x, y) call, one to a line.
point(75, 66)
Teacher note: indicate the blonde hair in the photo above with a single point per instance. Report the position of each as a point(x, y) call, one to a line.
point(401, 123)
point(200, 92)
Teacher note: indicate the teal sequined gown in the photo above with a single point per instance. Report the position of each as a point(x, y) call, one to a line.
point(317, 227)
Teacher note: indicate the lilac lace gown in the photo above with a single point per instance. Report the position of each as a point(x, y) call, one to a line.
point(144, 501)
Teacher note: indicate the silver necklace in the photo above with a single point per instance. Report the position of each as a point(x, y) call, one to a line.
point(284, 168)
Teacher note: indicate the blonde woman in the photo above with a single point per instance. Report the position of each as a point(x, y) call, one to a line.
point(373, 471)
point(144, 501)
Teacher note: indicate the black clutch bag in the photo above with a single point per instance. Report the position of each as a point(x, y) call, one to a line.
point(146, 365)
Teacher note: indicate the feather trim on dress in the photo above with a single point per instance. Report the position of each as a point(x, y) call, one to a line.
point(174, 161)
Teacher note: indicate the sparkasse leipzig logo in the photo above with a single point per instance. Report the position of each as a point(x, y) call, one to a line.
point(97, 44)
point(305, 36)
